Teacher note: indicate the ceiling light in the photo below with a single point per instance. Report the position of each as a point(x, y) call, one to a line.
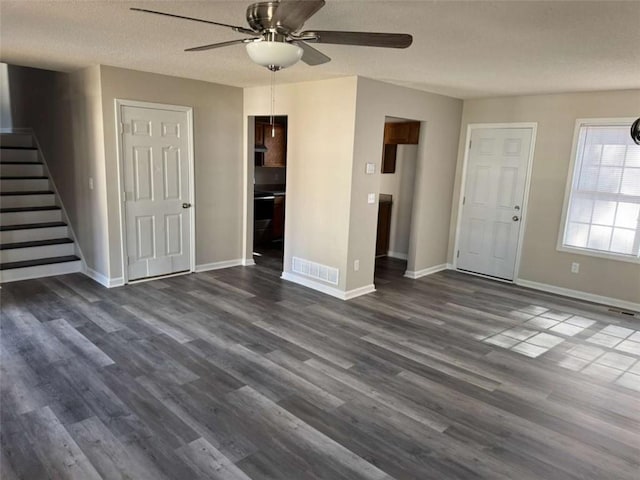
point(274, 55)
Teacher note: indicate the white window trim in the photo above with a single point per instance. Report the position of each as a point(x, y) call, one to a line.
point(585, 122)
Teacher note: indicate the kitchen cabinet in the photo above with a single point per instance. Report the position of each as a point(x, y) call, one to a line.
point(389, 154)
point(404, 133)
point(384, 225)
point(276, 144)
point(259, 134)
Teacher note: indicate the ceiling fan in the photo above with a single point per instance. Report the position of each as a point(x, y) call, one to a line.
point(275, 41)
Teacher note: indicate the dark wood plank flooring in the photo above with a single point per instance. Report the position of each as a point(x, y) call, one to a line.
point(235, 374)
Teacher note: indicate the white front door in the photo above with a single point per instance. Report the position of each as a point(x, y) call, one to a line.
point(491, 215)
point(157, 184)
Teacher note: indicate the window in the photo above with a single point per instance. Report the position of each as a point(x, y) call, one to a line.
point(603, 208)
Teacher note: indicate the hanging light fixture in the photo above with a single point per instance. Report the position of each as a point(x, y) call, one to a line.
point(274, 52)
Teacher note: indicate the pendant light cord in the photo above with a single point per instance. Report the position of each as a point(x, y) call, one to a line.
point(273, 102)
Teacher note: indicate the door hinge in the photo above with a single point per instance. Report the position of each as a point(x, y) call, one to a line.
point(470, 142)
point(464, 200)
point(458, 254)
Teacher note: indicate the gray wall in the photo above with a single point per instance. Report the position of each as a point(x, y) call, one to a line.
point(400, 185)
point(435, 174)
point(556, 115)
point(319, 157)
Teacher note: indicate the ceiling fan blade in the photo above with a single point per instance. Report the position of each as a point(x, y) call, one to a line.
point(292, 14)
point(218, 45)
point(233, 27)
point(311, 56)
point(365, 39)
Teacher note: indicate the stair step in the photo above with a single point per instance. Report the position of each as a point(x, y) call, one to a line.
point(33, 232)
point(40, 271)
point(27, 226)
point(23, 177)
point(24, 184)
point(13, 154)
point(38, 261)
point(36, 243)
point(20, 163)
point(16, 139)
point(35, 192)
point(22, 215)
point(12, 170)
point(27, 199)
point(48, 250)
point(29, 209)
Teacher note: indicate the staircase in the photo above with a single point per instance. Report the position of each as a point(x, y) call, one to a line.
point(34, 240)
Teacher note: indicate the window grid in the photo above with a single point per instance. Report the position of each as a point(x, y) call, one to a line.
point(604, 232)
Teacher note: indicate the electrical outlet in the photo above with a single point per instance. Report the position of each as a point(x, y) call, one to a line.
point(575, 267)
point(370, 168)
point(356, 265)
point(371, 198)
point(90, 183)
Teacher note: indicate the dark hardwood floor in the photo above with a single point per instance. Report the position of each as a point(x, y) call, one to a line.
point(235, 374)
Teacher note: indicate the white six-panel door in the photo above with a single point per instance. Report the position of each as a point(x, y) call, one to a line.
point(491, 215)
point(156, 176)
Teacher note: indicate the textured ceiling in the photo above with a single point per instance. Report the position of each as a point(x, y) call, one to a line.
point(463, 49)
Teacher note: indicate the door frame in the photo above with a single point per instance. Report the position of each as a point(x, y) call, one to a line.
point(118, 104)
point(525, 201)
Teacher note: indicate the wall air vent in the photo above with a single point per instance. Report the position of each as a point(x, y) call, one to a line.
point(623, 312)
point(314, 270)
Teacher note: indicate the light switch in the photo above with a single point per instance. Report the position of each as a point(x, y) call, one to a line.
point(371, 198)
point(371, 168)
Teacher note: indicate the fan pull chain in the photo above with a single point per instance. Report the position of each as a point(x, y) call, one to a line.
point(273, 102)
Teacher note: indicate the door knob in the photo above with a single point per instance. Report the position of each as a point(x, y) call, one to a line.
point(186, 205)
point(515, 218)
point(516, 208)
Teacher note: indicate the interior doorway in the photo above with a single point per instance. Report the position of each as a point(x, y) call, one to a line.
point(396, 193)
point(269, 189)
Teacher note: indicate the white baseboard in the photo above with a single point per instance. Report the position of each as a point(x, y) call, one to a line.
point(589, 297)
point(248, 262)
point(427, 271)
point(102, 279)
point(218, 265)
point(357, 292)
point(401, 256)
point(321, 287)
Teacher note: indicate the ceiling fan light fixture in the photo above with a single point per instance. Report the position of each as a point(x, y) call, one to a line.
point(274, 55)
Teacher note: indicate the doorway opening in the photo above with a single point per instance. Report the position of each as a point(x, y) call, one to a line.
point(269, 189)
point(396, 193)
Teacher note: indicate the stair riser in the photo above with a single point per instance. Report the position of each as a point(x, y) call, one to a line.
point(33, 234)
point(37, 216)
point(10, 201)
point(16, 140)
point(7, 155)
point(40, 271)
point(32, 253)
point(28, 185)
point(21, 170)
